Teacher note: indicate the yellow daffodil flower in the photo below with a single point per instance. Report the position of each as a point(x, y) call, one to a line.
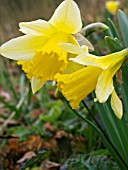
point(97, 75)
point(112, 6)
point(38, 51)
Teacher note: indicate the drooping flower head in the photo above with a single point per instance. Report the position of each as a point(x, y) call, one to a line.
point(98, 76)
point(38, 51)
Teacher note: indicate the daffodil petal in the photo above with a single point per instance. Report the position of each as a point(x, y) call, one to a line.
point(106, 61)
point(104, 86)
point(87, 60)
point(105, 82)
point(36, 84)
point(102, 61)
point(77, 85)
point(116, 105)
point(22, 48)
point(38, 27)
point(67, 17)
point(71, 48)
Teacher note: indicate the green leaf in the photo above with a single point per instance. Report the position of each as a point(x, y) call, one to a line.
point(52, 115)
point(123, 22)
point(106, 115)
point(124, 88)
point(113, 44)
point(113, 28)
point(120, 125)
point(100, 152)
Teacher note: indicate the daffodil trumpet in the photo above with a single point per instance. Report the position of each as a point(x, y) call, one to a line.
point(97, 75)
point(38, 51)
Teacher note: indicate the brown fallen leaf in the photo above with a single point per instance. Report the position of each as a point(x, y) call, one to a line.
point(5, 95)
point(51, 144)
point(26, 156)
point(119, 77)
point(49, 127)
point(48, 165)
point(34, 142)
point(13, 144)
point(61, 133)
point(35, 113)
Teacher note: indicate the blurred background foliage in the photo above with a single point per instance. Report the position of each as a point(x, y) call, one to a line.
point(14, 11)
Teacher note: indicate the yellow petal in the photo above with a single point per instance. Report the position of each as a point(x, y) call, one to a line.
point(71, 48)
point(87, 60)
point(100, 61)
point(116, 105)
point(106, 61)
point(22, 48)
point(77, 85)
point(38, 27)
point(67, 17)
point(105, 82)
point(36, 84)
point(104, 86)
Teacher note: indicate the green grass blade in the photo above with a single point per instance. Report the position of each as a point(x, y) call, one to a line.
point(9, 85)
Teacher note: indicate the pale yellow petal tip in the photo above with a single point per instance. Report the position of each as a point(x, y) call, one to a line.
point(116, 105)
point(33, 89)
point(95, 100)
point(36, 84)
point(119, 115)
point(101, 100)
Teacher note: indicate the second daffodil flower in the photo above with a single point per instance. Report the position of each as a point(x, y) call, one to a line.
point(98, 76)
point(112, 6)
point(38, 51)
